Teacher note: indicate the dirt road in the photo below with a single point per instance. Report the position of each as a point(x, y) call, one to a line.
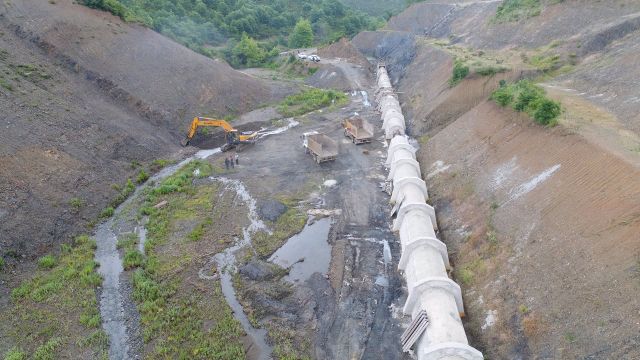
point(350, 309)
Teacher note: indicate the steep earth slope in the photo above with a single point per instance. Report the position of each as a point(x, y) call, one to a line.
point(85, 96)
point(158, 78)
point(542, 224)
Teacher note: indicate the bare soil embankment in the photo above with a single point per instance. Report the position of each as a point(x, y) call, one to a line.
point(544, 230)
point(87, 98)
point(541, 223)
point(161, 80)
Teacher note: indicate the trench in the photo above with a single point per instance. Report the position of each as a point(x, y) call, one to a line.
point(112, 296)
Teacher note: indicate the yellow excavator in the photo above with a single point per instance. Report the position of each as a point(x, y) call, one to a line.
point(232, 136)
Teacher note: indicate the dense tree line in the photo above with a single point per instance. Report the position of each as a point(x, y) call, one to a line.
point(204, 25)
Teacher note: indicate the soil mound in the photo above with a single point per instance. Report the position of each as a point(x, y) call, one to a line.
point(330, 77)
point(345, 50)
point(395, 48)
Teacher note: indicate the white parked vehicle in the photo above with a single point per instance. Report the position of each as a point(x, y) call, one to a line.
point(314, 58)
point(302, 56)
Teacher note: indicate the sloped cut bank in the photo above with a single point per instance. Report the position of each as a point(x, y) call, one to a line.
point(424, 258)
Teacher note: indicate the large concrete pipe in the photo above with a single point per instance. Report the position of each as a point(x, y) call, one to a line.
point(424, 258)
point(394, 126)
point(401, 151)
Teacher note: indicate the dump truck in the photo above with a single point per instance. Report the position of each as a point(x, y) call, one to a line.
point(321, 147)
point(358, 129)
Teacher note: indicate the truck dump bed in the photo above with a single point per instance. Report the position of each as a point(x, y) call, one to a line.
point(322, 147)
point(358, 129)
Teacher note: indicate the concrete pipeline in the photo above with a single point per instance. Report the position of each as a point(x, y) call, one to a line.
point(424, 258)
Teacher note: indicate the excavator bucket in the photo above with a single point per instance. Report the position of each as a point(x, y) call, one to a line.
point(185, 142)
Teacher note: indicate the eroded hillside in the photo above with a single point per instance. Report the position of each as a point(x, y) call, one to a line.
point(87, 100)
point(542, 222)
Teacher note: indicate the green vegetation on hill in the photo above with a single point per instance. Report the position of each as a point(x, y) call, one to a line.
point(310, 100)
point(205, 25)
point(515, 10)
point(525, 96)
point(55, 312)
point(183, 317)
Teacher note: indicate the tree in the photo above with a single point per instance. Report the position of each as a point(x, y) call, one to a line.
point(302, 35)
point(247, 52)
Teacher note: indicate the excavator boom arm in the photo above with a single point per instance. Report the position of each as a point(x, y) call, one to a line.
point(202, 121)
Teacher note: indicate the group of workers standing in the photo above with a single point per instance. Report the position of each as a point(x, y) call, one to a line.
point(231, 161)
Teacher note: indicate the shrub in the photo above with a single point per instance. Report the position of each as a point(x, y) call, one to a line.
point(547, 111)
point(1, 263)
point(490, 70)
point(47, 261)
point(524, 96)
point(502, 96)
point(76, 203)
point(107, 212)
point(142, 177)
point(112, 6)
point(460, 71)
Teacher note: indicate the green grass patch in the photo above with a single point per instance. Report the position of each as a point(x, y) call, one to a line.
point(132, 259)
point(516, 10)
point(47, 262)
point(47, 351)
point(127, 241)
point(76, 203)
point(311, 100)
point(525, 96)
point(142, 176)
point(285, 344)
point(467, 274)
point(545, 62)
point(489, 70)
point(6, 85)
point(459, 72)
point(125, 191)
point(159, 164)
point(197, 233)
point(15, 354)
point(31, 72)
point(182, 179)
point(107, 212)
point(1, 263)
point(50, 310)
point(179, 321)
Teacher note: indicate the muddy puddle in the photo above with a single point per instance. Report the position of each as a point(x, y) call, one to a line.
point(307, 252)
